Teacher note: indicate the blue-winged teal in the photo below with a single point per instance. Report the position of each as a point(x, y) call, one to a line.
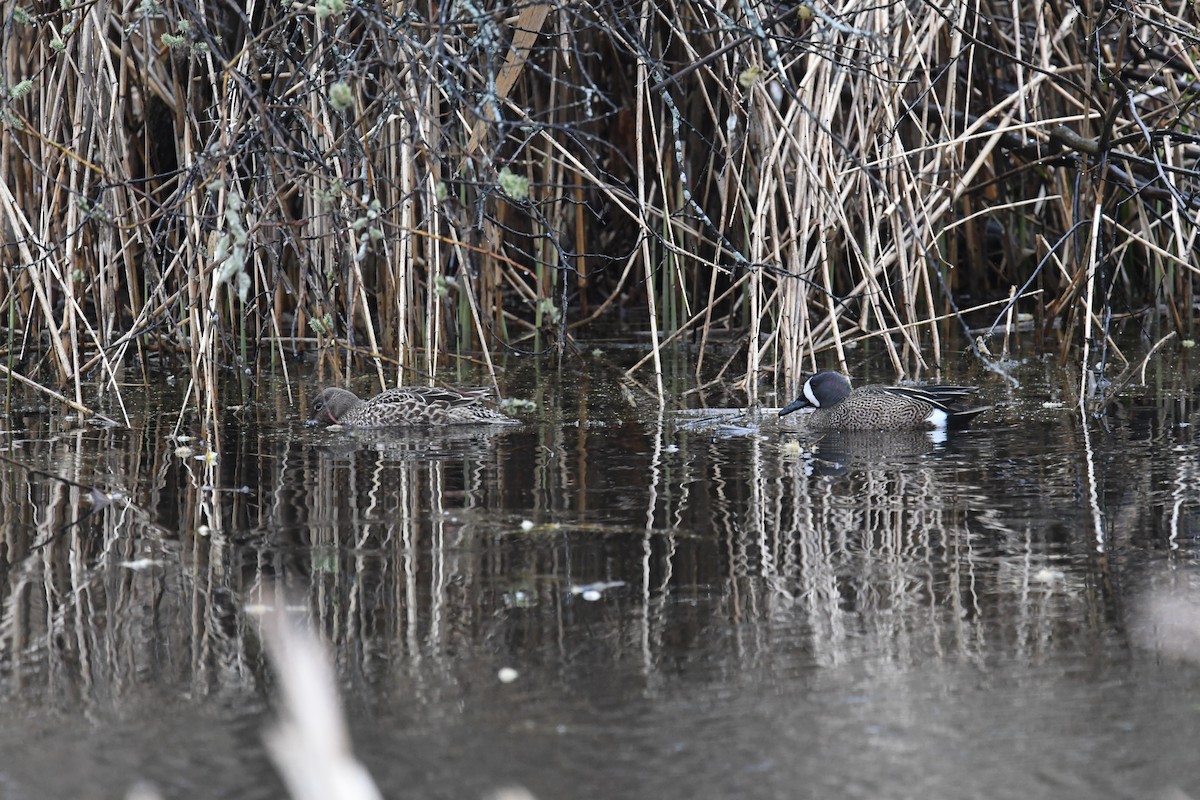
point(406, 405)
point(881, 408)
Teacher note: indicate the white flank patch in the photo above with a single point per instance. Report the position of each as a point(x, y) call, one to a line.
point(937, 418)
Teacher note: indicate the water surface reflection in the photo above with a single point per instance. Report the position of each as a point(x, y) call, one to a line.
point(691, 612)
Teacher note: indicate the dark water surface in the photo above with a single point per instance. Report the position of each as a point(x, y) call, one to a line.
point(691, 612)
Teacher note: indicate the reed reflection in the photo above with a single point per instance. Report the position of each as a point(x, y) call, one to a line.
point(432, 558)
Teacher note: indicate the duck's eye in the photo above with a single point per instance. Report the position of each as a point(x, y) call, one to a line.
point(317, 406)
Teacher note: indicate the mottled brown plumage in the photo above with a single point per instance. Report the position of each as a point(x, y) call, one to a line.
point(406, 405)
point(837, 407)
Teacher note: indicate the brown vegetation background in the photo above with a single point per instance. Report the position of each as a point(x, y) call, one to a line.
point(211, 189)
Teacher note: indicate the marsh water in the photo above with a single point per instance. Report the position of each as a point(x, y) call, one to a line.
point(679, 609)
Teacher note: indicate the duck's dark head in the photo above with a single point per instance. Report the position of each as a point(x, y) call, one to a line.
point(822, 390)
point(331, 405)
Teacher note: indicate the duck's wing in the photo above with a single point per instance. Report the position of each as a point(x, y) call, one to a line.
point(950, 392)
point(431, 396)
point(947, 398)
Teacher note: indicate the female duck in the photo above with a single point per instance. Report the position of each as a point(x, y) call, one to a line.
point(837, 407)
point(406, 405)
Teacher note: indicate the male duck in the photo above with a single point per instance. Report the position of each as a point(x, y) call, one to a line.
point(406, 405)
point(881, 408)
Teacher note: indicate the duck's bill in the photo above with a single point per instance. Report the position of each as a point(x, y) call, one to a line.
point(795, 405)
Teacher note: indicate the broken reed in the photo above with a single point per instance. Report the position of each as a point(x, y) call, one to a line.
point(400, 188)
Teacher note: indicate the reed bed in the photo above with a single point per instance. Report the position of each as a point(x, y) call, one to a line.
point(212, 190)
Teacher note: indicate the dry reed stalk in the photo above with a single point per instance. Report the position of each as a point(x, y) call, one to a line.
point(368, 322)
point(403, 252)
point(1140, 238)
point(478, 324)
point(645, 146)
point(750, 381)
point(525, 32)
point(1008, 323)
point(701, 316)
point(947, 316)
point(82, 409)
point(1088, 300)
point(795, 334)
